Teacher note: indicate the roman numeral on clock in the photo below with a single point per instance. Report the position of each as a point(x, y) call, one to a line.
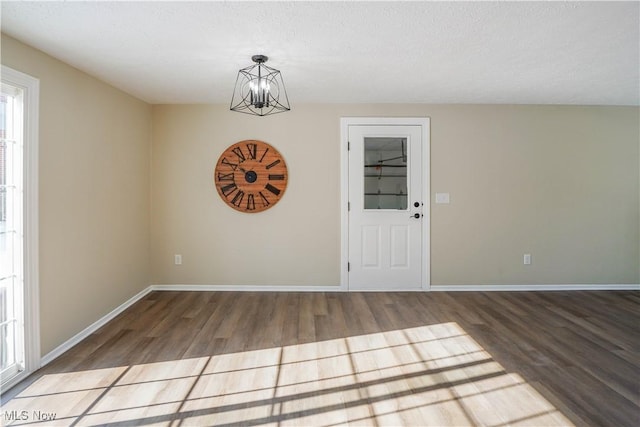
point(228, 163)
point(228, 189)
point(251, 202)
point(238, 152)
point(265, 202)
point(225, 176)
point(272, 164)
point(253, 150)
point(237, 199)
point(263, 154)
point(273, 189)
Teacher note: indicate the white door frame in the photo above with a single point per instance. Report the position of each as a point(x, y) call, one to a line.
point(424, 123)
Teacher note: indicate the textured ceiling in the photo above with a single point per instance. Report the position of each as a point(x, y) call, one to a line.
point(348, 52)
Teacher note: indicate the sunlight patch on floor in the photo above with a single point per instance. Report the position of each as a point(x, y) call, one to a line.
point(430, 375)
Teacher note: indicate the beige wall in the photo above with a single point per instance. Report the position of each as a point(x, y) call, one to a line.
point(94, 194)
point(559, 182)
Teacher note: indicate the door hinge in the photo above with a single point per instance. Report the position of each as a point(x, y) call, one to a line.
point(348, 266)
point(348, 145)
point(348, 206)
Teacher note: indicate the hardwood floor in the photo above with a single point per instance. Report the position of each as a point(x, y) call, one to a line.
point(230, 358)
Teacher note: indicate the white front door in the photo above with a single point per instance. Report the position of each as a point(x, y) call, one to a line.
point(386, 232)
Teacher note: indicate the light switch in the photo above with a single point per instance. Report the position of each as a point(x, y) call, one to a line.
point(442, 198)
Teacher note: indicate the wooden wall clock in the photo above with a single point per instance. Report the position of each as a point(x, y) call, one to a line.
point(251, 176)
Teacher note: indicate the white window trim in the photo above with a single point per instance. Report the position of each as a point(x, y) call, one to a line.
point(31, 87)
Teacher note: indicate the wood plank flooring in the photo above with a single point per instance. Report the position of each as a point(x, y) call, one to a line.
point(439, 359)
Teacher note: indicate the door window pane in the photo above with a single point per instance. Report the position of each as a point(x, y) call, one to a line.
point(385, 173)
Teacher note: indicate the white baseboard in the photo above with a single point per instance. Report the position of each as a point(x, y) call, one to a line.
point(537, 288)
point(433, 288)
point(68, 344)
point(243, 288)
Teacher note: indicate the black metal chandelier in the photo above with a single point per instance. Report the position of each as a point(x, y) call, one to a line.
point(259, 90)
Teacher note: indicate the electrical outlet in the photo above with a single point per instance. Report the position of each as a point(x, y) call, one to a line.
point(177, 259)
point(526, 259)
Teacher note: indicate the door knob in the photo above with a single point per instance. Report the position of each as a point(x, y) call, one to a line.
point(416, 204)
point(415, 215)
